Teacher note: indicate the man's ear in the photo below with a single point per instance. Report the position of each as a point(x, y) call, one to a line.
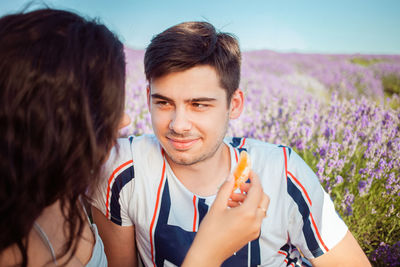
point(148, 96)
point(236, 104)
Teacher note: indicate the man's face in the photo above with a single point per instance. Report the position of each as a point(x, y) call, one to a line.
point(190, 114)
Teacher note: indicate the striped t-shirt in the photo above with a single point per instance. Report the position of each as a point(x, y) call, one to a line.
point(139, 188)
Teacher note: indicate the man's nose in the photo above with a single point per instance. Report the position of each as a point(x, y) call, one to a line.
point(180, 122)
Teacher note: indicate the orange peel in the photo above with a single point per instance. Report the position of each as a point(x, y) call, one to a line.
point(242, 169)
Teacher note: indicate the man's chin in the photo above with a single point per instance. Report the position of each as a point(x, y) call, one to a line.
point(182, 159)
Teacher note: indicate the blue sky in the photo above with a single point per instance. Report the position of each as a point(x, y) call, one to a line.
point(352, 26)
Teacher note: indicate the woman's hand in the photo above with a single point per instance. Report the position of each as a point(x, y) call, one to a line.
point(233, 221)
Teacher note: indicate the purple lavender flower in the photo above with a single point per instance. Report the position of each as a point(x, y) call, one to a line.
point(330, 108)
point(387, 255)
point(339, 179)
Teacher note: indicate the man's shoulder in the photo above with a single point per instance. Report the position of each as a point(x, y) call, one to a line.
point(146, 142)
point(146, 139)
point(133, 148)
point(255, 146)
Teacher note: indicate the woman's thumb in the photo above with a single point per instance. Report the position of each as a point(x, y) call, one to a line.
point(224, 192)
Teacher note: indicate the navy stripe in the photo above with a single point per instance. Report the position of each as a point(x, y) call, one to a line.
point(239, 259)
point(202, 207)
point(236, 141)
point(171, 242)
point(285, 248)
point(162, 220)
point(255, 252)
point(122, 179)
point(309, 236)
point(165, 205)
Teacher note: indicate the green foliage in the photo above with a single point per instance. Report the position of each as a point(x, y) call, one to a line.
point(375, 213)
point(365, 62)
point(391, 84)
point(393, 102)
point(374, 218)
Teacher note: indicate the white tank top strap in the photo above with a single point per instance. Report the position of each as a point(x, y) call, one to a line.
point(84, 209)
point(45, 240)
point(98, 258)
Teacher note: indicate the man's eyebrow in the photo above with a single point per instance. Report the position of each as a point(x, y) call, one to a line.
point(197, 99)
point(161, 97)
point(202, 99)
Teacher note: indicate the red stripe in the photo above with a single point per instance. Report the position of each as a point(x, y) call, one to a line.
point(155, 212)
point(195, 214)
point(283, 253)
point(109, 184)
point(316, 230)
point(244, 141)
point(284, 153)
point(302, 187)
point(236, 156)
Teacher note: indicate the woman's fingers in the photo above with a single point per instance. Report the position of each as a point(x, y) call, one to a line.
point(233, 204)
point(264, 202)
point(262, 210)
point(256, 200)
point(224, 193)
point(255, 192)
point(238, 197)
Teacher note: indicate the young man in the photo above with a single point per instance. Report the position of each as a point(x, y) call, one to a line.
point(161, 186)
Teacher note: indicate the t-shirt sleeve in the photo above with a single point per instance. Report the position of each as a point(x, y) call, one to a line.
point(314, 225)
point(116, 186)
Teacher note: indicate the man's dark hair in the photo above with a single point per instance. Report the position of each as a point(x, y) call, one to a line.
point(62, 81)
point(190, 44)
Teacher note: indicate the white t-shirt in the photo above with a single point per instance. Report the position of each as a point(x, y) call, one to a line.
point(139, 188)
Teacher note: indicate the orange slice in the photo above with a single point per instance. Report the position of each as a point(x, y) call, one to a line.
point(242, 170)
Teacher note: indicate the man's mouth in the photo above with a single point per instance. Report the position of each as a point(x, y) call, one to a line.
point(182, 144)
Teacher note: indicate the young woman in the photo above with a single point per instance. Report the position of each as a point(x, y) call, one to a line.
point(62, 80)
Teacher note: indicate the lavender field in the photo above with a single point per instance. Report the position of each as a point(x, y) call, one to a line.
point(341, 113)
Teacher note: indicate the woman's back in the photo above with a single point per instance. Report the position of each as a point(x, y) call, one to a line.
point(62, 82)
point(47, 235)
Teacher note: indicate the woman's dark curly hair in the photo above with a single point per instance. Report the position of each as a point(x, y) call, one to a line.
point(62, 80)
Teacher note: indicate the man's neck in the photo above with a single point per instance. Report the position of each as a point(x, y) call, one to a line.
point(205, 177)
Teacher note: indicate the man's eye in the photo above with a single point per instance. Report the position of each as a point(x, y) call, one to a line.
point(199, 105)
point(161, 103)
